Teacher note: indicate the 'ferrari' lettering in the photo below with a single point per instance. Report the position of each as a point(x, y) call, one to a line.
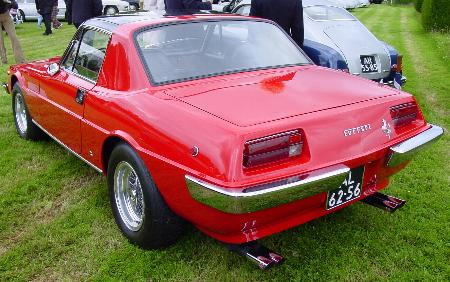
point(356, 130)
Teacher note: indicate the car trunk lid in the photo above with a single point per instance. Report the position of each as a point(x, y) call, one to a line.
point(359, 42)
point(278, 94)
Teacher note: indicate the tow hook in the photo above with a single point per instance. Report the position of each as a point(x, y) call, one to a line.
point(257, 253)
point(384, 202)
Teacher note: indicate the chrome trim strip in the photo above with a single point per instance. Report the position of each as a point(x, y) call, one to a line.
point(263, 196)
point(391, 82)
point(406, 150)
point(272, 136)
point(67, 148)
point(96, 28)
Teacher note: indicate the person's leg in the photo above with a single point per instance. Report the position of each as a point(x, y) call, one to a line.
point(39, 20)
point(8, 24)
point(48, 24)
point(55, 22)
point(2, 42)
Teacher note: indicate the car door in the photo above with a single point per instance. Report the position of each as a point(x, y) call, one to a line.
point(65, 91)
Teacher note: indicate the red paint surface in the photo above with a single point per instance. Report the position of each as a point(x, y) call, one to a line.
point(218, 115)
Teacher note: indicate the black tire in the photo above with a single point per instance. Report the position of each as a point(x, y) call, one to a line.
point(159, 226)
point(116, 11)
point(136, 6)
point(24, 124)
point(22, 14)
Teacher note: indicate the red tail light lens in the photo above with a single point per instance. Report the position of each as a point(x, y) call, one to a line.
point(399, 65)
point(273, 148)
point(404, 114)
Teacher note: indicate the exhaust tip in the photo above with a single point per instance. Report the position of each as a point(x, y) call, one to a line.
point(384, 202)
point(258, 254)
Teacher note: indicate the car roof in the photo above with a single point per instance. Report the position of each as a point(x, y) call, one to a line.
point(111, 23)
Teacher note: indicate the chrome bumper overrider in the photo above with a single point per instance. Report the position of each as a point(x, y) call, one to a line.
point(406, 150)
point(263, 196)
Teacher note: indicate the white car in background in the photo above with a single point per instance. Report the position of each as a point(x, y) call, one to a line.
point(112, 7)
point(346, 4)
point(334, 38)
point(228, 6)
point(27, 8)
point(364, 3)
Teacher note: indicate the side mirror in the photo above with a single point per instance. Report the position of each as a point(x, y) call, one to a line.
point(53, 69)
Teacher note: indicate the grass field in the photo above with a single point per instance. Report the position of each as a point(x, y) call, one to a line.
point(56, 222)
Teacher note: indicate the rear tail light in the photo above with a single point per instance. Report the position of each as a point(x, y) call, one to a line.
point(273, 148)
point(404, 114)
point(399, 66)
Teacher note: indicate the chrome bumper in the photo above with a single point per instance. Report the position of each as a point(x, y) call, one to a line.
point(264, 196)
point(272, 194)
point(406, 150)
point(391, 82)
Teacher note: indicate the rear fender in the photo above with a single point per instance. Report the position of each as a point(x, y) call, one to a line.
point(325, 56)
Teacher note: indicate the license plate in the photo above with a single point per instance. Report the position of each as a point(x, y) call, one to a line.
point(349, 190)
point(368, 64)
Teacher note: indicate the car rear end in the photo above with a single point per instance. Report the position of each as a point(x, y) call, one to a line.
point(271, 141)
point(298, 168)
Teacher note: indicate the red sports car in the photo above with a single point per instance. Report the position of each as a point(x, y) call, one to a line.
point(221, 121)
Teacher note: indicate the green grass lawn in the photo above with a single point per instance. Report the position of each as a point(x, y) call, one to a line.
point(56, 222)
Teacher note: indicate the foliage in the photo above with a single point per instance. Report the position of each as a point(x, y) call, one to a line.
point(436, 15)
point(418, 5)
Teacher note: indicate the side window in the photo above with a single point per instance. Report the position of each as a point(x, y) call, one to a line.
point(85, 58)
point(71, 54)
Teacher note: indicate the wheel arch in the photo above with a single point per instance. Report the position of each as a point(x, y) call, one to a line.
point(22, 13)
point(108, 146)
point(111, 142)
point(13, 81)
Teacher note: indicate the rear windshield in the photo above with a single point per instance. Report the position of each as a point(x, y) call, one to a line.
point(193, 50)
point(326, 13)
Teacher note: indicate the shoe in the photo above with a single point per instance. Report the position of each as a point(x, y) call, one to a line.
point(47, 33)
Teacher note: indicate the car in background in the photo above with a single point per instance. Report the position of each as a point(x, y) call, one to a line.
point(220, 5)
point(202, 119)
point(346, 4)
point(334, 38)
point(230, 5)
point(364, 3)
point(113, 7)
point(15, 16)
point(27, 8)
point(134, 4)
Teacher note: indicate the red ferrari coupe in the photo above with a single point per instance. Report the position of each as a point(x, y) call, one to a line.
point(221, 121)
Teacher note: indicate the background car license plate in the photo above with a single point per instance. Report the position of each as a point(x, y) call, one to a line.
point(350, 189)
point(368, 64)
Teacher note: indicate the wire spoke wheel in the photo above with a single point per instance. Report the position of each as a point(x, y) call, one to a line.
point(128, 196)
point(21, 113)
